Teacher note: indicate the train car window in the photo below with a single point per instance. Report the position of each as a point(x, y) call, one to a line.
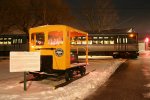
point(14, 41)
point(105, 37)
point(90, 42)
point(1, 38)
point(83, 42)
point(120, 40)
point(55, 37)
point(112, 37)
point(73, 42)
point(5, 42)
point(100, 37)
point(79, 42)
point(9, 42)
point(112, 42)
point(20, 41)
point(126, 40)
point(1, 42)
point(95, 42)
point(83, 38)
point(117, 40)
point(106, 41)
point(9, 38)
point(40, 39)
point(100, 42)
point(95, 37)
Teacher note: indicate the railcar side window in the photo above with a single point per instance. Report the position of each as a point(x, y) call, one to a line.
point(40, 39)
point(112, 42)
point(55, 38)
point(90, 42)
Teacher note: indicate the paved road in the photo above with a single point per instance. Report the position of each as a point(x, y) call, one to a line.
point(129, 82)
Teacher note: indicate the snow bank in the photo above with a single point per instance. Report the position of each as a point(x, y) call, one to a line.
point(77, 90)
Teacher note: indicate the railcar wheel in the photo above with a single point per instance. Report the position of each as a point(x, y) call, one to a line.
point(68, 75)
point(82, 70)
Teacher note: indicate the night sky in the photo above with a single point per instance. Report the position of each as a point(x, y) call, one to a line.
point(132, 13)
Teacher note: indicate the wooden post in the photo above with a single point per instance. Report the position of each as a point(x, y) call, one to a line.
point(25, 81)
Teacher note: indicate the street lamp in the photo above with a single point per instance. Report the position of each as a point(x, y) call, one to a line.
point(146, 42)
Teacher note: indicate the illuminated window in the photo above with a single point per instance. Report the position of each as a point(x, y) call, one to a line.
point(83, 42)
point(9, 38)
point(105, 37)
point(78, 42)
point(1, 38)
point(100, 42)
point(14, 41)
point(9, 42)
point(55, 38)
point(72, 42)
point(83, 38)
point(95, 42)
point(126, 40)
point(90, 42)
point(106, 42)
point(39, 38)
point(5, 42)
point(79, 37)
point(100, 37)
point(1, 42)
point(111, 41)
point(117, 40)
point(94, 37)
point(20, 41)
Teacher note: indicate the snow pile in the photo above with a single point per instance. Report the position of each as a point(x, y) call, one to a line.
point(77, 90)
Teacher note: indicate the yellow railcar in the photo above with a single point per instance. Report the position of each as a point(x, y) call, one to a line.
point(58, 55)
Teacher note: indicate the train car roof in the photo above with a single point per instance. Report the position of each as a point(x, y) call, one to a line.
point(115, 31)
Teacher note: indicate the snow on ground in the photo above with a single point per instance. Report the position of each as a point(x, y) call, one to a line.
point(100, 70)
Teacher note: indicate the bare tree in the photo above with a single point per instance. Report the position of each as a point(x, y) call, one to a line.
point(100, 14)
point(24, 14)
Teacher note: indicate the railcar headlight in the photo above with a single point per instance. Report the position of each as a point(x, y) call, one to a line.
point(131, 35)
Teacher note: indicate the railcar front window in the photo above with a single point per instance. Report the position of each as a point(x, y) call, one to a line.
point(39, 38)
point(55, 38)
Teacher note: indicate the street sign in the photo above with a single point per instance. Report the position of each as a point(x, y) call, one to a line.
point(24, 61)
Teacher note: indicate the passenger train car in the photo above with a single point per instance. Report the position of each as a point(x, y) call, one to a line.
point(115, 42)
point(13, 42)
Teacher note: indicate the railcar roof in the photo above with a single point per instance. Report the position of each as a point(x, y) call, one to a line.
point(60, 27)
point(115, 31)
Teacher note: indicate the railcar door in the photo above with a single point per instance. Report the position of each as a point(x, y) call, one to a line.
point(121, 42)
